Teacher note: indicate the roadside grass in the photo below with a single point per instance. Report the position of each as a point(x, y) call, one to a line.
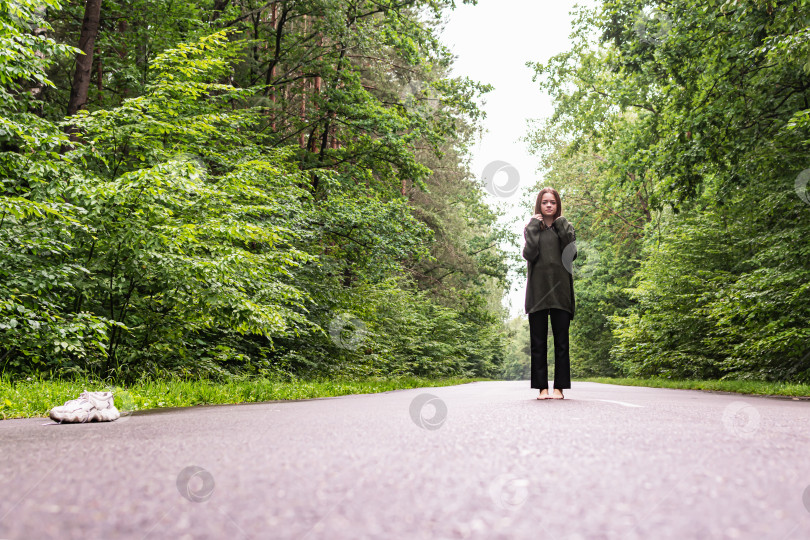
point(738, 386)
point(35, 397)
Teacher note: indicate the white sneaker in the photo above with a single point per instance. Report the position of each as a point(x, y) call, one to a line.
point(89, 407)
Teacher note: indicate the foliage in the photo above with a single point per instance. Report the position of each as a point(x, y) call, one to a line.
point(178, 231)
point(35, 228)
point(688, 117)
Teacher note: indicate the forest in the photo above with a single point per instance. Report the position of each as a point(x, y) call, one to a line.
point(680, 133)
point(207, 189)
point(219, 188)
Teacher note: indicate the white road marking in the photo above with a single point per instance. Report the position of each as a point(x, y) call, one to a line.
point(622, 403)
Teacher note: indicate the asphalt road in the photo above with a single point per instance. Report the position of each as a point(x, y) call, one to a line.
point(483, 460)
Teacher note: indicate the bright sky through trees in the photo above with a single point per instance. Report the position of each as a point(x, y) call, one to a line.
point(492, 41)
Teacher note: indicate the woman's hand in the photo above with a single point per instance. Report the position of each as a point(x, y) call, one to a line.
point(536, 216)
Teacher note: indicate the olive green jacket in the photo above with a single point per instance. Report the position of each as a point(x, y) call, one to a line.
point(549, 253)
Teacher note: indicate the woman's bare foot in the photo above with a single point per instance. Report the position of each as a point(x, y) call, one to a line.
point(543, 394)
point(558, 394)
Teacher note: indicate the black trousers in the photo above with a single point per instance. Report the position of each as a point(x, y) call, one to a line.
point(538, 333)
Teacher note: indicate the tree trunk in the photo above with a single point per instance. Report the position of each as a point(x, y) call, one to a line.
point(272, 71)
point(84, 62)
point(304, 87)
point(219, 7)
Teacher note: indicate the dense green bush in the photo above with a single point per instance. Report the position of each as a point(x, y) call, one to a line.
point(171, 234)
point(679, 136)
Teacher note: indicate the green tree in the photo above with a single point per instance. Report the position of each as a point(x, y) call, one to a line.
point(694, 112)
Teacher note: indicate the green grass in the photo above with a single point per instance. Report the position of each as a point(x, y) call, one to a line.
point(741, 387)
point(35, 397)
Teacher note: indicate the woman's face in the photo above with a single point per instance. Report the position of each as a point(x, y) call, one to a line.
point(548, 204)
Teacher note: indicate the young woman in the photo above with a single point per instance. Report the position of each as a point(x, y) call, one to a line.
point(549, 252)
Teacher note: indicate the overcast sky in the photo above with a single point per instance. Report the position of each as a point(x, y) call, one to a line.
point(492, 42)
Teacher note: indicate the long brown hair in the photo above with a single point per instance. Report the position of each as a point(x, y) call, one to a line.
point(537, 206)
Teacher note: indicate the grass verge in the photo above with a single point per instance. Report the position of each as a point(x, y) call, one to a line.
point(35, 397)
point(740, 387)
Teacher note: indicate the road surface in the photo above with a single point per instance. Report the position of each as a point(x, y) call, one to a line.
point(484, 460)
